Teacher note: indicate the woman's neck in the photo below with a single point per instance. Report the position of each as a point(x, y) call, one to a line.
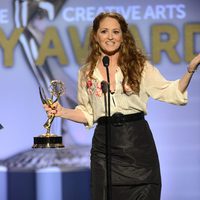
point(112, 60)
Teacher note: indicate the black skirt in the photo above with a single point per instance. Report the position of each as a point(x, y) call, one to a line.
point(134, 162)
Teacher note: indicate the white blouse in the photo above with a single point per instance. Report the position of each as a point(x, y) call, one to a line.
point(91, 99)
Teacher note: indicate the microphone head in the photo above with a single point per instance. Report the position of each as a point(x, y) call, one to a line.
point(104, 86)
point(105, 61)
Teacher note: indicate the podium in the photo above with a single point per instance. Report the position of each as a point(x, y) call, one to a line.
point(40, 179)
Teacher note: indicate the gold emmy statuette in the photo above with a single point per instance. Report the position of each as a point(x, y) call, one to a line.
point(49, 140)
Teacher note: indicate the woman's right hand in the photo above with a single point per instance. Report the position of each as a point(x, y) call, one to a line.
point(55, 109)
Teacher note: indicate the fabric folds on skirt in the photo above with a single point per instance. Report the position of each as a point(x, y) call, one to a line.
point(134, 163)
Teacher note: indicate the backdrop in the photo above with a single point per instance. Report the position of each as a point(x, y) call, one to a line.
point(45, 40)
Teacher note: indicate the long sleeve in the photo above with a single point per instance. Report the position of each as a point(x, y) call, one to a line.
point(161, 89)
point(83, 100)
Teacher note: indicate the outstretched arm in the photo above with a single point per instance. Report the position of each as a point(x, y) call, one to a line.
point(185, 80)
point(57, 110)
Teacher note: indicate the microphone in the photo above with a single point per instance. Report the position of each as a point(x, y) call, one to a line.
point(106, 61)
point(104, 86)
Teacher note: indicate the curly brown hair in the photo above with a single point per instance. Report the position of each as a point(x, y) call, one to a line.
point(131, 59)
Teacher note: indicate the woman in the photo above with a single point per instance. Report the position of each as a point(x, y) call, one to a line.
point(135, 166)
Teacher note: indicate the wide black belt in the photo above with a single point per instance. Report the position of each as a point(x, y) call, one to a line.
point(118, 119)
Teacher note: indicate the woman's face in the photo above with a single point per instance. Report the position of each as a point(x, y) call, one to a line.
point(109, 35)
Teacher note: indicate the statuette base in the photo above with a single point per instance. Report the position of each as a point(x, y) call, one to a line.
point(48, 141)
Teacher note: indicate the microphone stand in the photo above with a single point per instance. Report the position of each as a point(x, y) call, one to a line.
point(108, 128)
point(108, 141)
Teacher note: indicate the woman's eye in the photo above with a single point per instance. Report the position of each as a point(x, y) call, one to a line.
point(104, 31)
